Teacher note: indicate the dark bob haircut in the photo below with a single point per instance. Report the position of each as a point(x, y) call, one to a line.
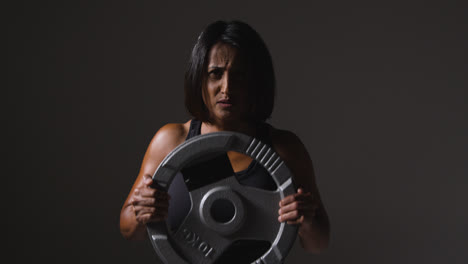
point(249, 43)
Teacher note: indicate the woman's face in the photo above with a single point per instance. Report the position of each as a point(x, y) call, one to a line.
point(226, 85)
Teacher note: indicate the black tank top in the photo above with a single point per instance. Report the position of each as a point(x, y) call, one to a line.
point(255, 176)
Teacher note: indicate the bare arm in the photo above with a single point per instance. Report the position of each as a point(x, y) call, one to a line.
point(304, 208)
point(145, 204)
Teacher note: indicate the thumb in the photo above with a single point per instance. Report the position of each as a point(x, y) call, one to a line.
point(300, 190)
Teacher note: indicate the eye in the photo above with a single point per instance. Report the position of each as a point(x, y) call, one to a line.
point(216, 73)
point(239, 76)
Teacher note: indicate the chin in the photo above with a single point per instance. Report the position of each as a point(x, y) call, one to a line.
point(229, 118)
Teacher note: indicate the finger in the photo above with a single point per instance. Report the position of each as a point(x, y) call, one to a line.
point(147, 218)
point(146, 202)
point(301, 190)
point(143, 201)
point(151, 211)
point(298, 221)
point(151, 202)
point(289, 207)
point(290, 216)
point(147, 192)
point(305, 197)
point(150, 192)
point(144, 191)
point(307, 200)
point(296, 205)
point(295, 197)
point(141, 210)
point(288, 199)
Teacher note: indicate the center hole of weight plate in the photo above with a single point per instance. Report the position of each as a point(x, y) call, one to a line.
point(222, 210)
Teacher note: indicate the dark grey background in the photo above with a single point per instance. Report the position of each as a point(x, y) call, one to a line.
point(377, 93)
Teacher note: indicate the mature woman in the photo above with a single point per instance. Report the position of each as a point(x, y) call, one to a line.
point(229, 86)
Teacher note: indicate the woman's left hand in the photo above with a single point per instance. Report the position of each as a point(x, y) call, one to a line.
point(298, 208)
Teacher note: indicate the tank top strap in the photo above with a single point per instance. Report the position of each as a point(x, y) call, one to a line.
point(264, 133)
point(195, 128)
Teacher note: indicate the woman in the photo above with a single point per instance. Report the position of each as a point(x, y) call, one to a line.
point(229, 86)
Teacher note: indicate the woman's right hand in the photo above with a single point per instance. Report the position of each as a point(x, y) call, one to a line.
point(149, 204)
point(145, 204)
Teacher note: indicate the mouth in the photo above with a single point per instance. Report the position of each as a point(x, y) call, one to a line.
point(224, 102)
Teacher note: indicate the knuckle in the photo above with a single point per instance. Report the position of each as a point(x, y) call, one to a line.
point(295, 214)
point(145, 219)
point(135, 201)
point(295, 205)
point(139, 219)
point(151, 192)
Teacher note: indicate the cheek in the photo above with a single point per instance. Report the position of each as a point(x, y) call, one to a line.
point(210, 91)
point(244, 91)
point(207, 94)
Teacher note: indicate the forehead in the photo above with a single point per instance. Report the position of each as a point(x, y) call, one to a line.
point(222, 54)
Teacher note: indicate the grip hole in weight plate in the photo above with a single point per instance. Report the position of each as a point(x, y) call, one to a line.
point(222, 210)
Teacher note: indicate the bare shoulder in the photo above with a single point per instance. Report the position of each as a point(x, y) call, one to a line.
point(164, 141)
point(286, 143)
point(172, 132)
point(169, 136)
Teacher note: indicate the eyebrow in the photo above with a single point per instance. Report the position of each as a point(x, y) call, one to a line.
point(215, 67)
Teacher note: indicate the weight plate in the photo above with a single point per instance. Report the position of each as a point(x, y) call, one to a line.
point(248, 213)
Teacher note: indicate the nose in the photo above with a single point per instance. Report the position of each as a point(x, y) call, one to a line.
point(226, 85)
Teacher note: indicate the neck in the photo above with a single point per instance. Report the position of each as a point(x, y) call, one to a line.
point(241, 127)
